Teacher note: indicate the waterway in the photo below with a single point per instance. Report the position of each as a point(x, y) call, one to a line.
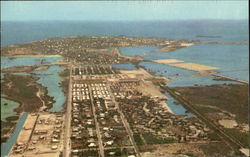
point(177, 109)
point(49, 78)
point(6, 147)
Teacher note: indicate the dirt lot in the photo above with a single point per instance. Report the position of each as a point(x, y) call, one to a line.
point(228, 123)
point(27, 129)
point(148, 88)
point(46, 123)
point(139, 74)
point(168, 150)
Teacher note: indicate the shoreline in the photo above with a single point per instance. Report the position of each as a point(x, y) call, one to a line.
point(29, 55)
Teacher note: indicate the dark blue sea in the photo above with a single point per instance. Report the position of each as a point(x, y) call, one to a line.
point(208, 30)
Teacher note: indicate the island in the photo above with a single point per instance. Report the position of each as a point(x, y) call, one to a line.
point(111, 111)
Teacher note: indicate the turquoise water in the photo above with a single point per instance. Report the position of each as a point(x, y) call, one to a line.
point(8, 110)
point(7, 62)
point(137, 50)
point(181, 77)
point(232, 60)
point(49, 78)
point(6, 147)
point(177, 109)
point(124, 66)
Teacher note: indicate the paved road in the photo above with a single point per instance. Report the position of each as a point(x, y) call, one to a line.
point(67, 147)
point(99, 136)
point(126, 124)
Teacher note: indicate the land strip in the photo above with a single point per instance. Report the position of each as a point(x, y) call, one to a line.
point(232, 140)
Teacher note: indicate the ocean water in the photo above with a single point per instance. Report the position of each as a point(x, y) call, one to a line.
point(228, 30)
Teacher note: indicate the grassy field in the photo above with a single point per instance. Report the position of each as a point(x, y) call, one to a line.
point(22, 89)
point(231, 98)
point(216, 149)
point(150, 139)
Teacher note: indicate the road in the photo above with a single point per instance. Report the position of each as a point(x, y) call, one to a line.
point(100, 143)
point(67, 147)
point(126, 124)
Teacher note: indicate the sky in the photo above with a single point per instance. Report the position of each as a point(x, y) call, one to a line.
point(122, 10)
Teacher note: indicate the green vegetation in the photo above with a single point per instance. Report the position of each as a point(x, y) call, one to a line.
point(215, 149)
point(117, 152)
point(64, 73)
point(232, 98)
point(88, 153)
point(221, 79)
point(23, 89)
point(12, 118)
point(204, 109)
point(241, 136)
point(7, 126)
point(155, 79)
point(138, 139)
point(213, 136)
point(150, 139)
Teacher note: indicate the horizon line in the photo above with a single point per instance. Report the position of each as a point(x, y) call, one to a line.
point(209, 19)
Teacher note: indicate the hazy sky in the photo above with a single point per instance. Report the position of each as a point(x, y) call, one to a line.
point(122, 10)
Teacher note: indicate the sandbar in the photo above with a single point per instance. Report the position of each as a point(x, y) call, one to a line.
point(168, 61)
point(194, 66)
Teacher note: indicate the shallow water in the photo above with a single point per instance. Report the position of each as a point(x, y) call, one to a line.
point(6, 147)
point(232, 60)
point(7, 110)
point(177, 109)
point(7, 62)
point(181, 77)
point(49, 78)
